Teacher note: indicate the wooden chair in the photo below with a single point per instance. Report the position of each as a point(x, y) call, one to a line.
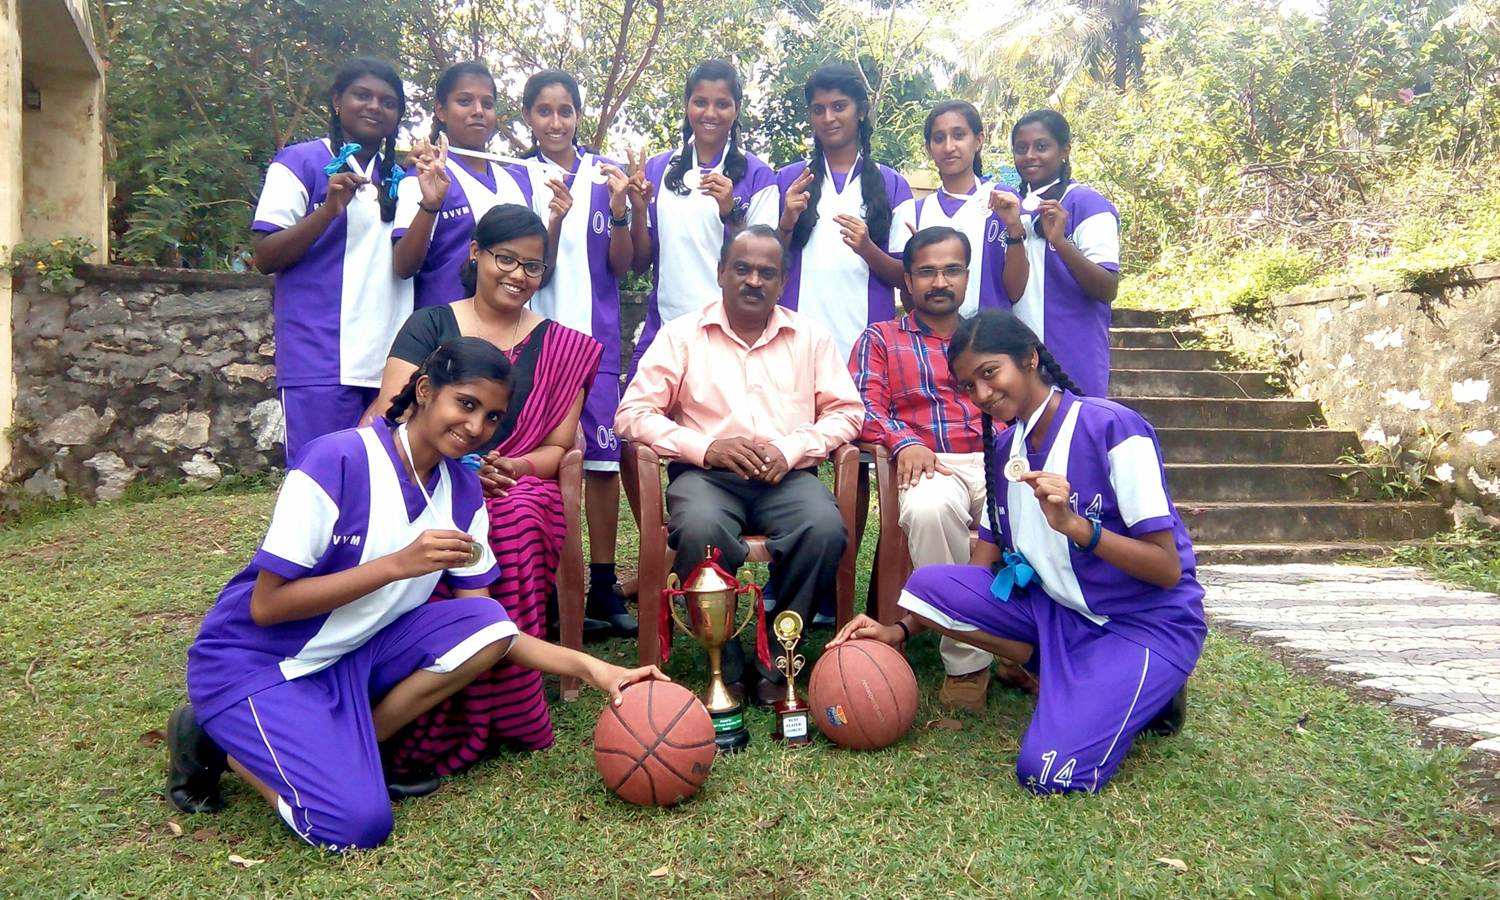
point(656, 558)
point(892, 557)
point(570, 587)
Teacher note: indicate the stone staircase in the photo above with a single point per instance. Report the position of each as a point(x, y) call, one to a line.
point(1253, 472)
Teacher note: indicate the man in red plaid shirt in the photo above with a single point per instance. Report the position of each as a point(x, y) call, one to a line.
point(914, 407)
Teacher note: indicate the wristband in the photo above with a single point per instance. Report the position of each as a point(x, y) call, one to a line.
point(621, 222)
point(905, 632)
point(1094, 539)
point(1012, 241)
point(430, 212)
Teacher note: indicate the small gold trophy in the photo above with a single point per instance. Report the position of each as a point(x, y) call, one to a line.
point(793, 727)
point(711, 597)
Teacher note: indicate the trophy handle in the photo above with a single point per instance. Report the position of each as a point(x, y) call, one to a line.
point(671, 593)
point(753, 590)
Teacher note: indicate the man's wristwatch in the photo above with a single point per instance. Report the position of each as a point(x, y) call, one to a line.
point(1011, 240)
point(621, 221)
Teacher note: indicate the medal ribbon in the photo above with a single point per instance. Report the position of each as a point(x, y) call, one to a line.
point(406, 445)
point(341, 159)
point(1016, 572)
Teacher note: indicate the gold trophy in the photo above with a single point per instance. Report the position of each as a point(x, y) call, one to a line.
point(793, 727)
point(711, 597)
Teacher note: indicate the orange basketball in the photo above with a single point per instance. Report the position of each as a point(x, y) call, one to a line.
point(863, 695)
point(654, 749)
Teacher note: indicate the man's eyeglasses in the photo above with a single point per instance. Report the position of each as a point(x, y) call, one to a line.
point(927, 273)
point(507, 263)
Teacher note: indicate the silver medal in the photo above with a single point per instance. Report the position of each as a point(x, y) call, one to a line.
point(476, 553)
point(692, 179)
point(1015, 467)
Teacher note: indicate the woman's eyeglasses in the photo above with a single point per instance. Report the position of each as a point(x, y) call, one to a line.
point(507, 263)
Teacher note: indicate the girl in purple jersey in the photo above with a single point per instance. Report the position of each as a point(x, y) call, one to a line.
point(838, 210)
point(451, 191)
point(322, 226)
point(1073, 245)
point(1084, 573)
point(591, 241)
point(325, 646)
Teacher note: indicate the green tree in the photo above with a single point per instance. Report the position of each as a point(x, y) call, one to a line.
point(1061, 39)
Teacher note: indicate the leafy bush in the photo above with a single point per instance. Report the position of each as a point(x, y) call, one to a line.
point(50, 263)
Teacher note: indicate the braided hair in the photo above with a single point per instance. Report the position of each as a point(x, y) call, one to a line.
point(994, 330)
point(1057, 127)
point(348, 73)
point(844, 80)
point(458, 361)
point(735, 163)
point(971, 116)
point(449, 80)
point(533, 89)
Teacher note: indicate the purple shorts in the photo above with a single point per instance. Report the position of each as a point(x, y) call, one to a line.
point(317, 409)
point(601, 450)
point(1098, 689)
point(312, 739)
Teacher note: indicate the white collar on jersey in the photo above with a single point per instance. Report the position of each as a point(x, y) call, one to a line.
point(848, 176)
point(978, 195)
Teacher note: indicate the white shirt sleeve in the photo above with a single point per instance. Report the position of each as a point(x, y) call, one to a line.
point(408, 198)
point(765, 206)
point(905, 212)
point(283, 198)
point(302, 523)
point(1098, 237)
point(1135, 474)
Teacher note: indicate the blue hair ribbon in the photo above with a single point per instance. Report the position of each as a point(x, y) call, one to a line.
point(472, 461)
point(394, 180)
point(1016, 572)
point(341, 159)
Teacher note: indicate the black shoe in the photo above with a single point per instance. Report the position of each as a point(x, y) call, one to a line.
point(1169, 721)
point(767, 693)
point(606, 605)
point(402, 787)
point(194, 764)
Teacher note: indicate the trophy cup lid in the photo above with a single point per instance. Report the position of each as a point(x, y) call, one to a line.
point(709, 576)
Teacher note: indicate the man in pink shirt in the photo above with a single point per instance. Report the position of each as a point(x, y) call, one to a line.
point(746, 399)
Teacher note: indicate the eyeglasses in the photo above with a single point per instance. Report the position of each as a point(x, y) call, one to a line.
point(927, 273)
point(507, 263)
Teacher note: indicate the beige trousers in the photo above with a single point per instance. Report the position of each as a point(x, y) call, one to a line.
point(937, 515)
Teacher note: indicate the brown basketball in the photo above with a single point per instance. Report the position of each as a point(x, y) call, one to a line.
point(654, 749)
point(863, 695)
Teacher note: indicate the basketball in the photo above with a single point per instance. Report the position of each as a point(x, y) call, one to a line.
point(655, 748)
point(863, 695)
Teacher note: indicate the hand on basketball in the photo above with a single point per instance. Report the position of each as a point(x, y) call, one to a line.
point(1055, 495)
point(434, 550)
point(916, 462)
point(774, 465)
point(562, 201)
point(795, 202)
point(737, 455)
point(862, 627)
point(613, 679)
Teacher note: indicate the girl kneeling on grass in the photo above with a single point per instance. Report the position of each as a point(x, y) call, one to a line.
point(1084, 575)
point(325, 644)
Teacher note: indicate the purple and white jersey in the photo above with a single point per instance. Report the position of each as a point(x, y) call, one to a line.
point(348, 501)
point(970, 214)
point(339, 306)
point(828, 280)
point(1111, 458)
point(687, 235)
point(1074, 326)
point(469, 197)
point(584, 293)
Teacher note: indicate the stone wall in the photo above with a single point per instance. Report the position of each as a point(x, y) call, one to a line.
point(1386, 363)
point(151, 374)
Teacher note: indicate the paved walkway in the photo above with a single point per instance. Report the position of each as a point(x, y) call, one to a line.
point(1437, 648)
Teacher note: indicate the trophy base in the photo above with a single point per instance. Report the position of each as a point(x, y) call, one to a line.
point(793, 723)
point(730, 734)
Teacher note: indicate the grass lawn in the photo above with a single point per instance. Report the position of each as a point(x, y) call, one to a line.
point(99, 606)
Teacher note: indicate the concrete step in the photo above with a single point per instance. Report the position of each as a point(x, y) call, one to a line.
point(1204, 383)
point(1195, 412)
point(1324, 522)
point(1258, 482)
point(1122, 358)
point(1146, 318)
point(1254, 446)
point(1284, 554)
point(1154, 338)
